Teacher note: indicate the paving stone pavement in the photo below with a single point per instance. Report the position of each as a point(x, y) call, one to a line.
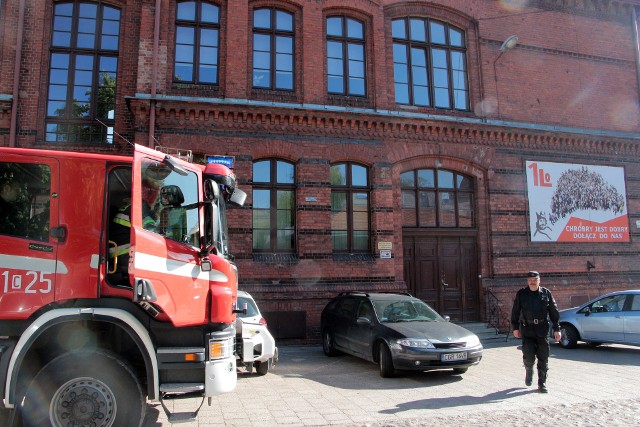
point(587, 387)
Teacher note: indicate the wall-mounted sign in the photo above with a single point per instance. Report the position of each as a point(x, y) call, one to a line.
point(222, 160)
point(576, 203)
point(385, 254)
point(311, 199)
point(385, 245)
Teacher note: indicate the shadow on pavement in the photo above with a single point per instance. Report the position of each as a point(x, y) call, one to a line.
point(351, 373)
point(448, 402)
point(609, 354)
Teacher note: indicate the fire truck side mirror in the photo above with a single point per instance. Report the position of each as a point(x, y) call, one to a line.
point(211, 190)
point(238, 198)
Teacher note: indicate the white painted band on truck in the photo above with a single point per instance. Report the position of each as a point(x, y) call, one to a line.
point(72, 314)
point(177, 268)
point(19, 262)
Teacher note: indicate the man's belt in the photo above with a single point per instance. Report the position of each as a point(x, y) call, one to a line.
point(534, 321)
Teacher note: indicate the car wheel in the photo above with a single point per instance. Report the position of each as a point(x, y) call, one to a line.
point(327, 344)
point(569, 337)
point(87, 388)
point(386, 363)
point(261, 367)
point(460, 370)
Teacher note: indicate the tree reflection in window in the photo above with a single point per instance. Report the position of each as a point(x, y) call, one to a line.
point(274, 206)
point(83, 73)
point(350, 208)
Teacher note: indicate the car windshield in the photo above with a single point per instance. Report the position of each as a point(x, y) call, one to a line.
point(405, 311)
point(252, 309)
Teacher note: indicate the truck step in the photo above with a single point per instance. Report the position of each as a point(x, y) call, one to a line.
point(181, 388)
point(172, 391)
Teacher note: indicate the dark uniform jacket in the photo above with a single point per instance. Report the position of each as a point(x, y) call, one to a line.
point(532, 311)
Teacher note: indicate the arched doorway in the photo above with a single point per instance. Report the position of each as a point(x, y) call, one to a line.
point(439, 235)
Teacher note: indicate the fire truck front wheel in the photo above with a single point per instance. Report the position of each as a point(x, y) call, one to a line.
point(84, 389)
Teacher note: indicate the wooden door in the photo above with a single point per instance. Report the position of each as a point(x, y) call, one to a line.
point(442, 271)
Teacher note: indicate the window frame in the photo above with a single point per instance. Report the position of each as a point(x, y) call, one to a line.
point(350, 190)
point(344, 40)
point(428, 46)
point(198, 25)
point(273, 187)
point(70, 127)
point(436, 189)
point(273, 33)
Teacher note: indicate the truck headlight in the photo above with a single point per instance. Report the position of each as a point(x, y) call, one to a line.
point(220, 349)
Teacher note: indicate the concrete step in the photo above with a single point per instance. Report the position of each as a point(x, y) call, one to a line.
point(484, 332)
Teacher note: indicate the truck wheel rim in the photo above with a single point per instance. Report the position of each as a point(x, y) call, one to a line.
point(83, 402)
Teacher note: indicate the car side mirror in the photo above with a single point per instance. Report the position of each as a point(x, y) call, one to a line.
point(587, 311)
point(242, 310)
point(446, 318)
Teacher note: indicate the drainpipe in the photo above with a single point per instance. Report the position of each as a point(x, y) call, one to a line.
point(16, 77)
point(637, 42)
point(154, 76)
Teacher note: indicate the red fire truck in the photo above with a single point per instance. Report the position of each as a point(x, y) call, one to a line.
point(94, 320)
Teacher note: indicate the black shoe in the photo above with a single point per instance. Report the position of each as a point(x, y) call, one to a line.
point(542, 388)
point(528, 379)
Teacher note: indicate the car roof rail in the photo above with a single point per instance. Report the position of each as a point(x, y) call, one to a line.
point(396, 293)
point(366, 294)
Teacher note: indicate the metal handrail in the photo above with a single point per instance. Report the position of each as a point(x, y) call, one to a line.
point(495, 317)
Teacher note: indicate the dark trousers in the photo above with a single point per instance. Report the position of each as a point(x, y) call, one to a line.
point(535, 346)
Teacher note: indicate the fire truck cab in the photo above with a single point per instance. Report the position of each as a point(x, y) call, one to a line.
point(116, 285)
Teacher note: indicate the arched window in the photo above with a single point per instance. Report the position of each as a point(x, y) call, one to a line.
point(197, 37)
point(350, 208)
point(82, 74)
point(273, 206)
point(429, 64)
point(437, 198)
point(345, 56)
point(273, 49)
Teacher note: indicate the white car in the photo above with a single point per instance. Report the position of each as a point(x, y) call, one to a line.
point(255, 346)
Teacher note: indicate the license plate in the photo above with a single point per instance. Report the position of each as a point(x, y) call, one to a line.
point(452, 357)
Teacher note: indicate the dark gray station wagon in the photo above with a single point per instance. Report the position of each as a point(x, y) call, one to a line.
point(398, 332)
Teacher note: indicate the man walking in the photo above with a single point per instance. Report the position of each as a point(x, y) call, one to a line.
point(532, 309)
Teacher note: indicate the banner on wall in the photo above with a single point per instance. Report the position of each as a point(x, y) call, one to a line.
point(576, 203)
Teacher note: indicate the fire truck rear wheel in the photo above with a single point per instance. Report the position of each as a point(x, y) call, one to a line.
point(84, 389)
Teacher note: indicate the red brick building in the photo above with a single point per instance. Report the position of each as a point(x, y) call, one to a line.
point(384, 145)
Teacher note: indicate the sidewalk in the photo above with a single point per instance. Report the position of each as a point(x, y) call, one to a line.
point(587, 387)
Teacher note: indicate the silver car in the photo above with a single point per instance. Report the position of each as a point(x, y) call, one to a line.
point(611, 318)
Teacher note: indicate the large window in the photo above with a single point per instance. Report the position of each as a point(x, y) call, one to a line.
point(273, 43)
point(82, 74)
point(273, 206)
point(197, 36)
point(345, 56)
point(437, 198)
point(350, 208)
point(429, 63)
